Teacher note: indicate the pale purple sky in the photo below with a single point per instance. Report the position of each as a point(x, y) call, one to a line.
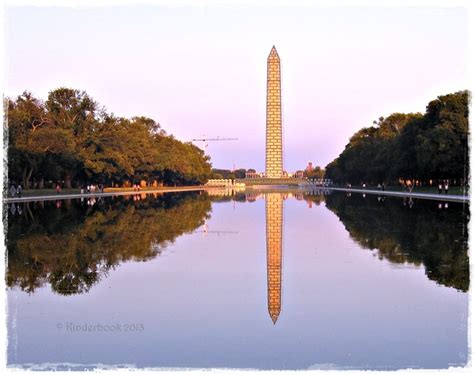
point(202, 70)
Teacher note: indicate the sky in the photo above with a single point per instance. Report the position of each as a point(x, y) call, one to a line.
point(200, 71)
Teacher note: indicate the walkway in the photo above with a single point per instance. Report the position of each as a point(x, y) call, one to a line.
point(106, 194)
point(437, 197)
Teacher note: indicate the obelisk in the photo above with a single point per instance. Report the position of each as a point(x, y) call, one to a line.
point(273, 150)
point(274, 228)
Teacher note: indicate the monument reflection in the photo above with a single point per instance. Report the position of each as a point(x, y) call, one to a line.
point(274, 231)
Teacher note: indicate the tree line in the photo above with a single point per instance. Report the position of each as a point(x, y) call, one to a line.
point(70, 138)
point(228, 174)
point(418, 147)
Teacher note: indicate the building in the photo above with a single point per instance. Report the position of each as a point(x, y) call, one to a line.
point(299, 174)
point(273, 150)
point(253, 175)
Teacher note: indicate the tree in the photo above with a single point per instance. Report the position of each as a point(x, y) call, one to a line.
point(70, 138)
point(409, 146)
point(316, 173)
point(25, 117)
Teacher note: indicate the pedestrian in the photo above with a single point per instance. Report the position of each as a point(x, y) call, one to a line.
point(58, 188)
point(82, 189)
point(379, 187)
point(446, 186)
point(19, 190)
point(88, 189)
point(440, 188)
point(383, 186)
point(363, 185)
point(12, 190)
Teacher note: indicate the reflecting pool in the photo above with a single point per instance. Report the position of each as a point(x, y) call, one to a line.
point(257, 279)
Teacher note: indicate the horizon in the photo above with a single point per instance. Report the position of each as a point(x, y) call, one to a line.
point(325, 99)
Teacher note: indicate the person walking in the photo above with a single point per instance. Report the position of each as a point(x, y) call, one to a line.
point(383, 186)
point(440, 188)
point(13, 191)
point(19, 190)
point(58, 188)
point(446, 186)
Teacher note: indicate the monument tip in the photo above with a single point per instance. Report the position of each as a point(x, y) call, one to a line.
point(273, 52)
point(274, 319)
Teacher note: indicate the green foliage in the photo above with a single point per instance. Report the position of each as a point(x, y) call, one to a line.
point(70, 138)
point(228, 174)
point(316, 173)
point(225, 173)
point(409, 146)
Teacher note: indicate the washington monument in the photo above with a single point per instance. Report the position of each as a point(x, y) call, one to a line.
point(273, 151)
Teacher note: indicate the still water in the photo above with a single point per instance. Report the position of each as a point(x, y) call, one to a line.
point(258, 279)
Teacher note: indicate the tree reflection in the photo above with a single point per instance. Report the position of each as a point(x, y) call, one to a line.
point(74, 246)
point(413, 231)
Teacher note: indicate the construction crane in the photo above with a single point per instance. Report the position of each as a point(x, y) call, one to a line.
point(205, 140)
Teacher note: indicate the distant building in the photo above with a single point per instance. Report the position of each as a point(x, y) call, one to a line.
point(299, 174)
point(253, 174)
point(220, 182)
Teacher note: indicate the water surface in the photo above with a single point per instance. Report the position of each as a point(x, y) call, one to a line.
point(263, 280)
